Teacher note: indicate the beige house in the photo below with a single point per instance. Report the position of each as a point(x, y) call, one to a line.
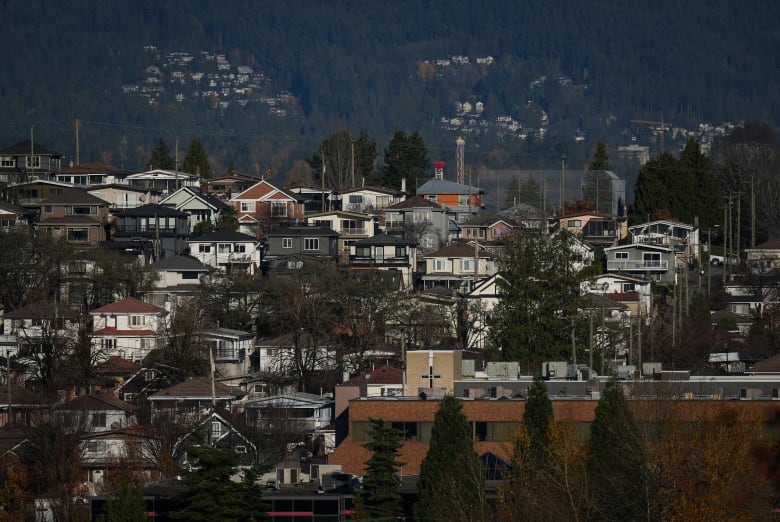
point(75, 216)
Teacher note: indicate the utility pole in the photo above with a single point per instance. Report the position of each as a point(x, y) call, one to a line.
point(352, 145)
point(78, 124)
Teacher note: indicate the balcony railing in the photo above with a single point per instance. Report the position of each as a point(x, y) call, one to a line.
point(354, 231)
point(638, 265)
point(378, 261)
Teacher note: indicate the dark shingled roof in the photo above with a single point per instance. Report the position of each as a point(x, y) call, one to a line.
point(151, 209)
point(223, 235)
point(75, 197)
point(24, 147)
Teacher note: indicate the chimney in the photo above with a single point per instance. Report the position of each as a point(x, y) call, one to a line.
point(403, 185)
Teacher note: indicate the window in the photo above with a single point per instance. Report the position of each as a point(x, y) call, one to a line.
point(356, 199)
point(81, 210)
point(32, 162)
point(7, 161)
point(96, 446)
point(463, 200)
point(278, 208)
point(421, 217)
point(99, 420)
point(382, 201)
point(574, 223)
point(47, 209)
point(204, 249)
point(440, 265)
point(247, 206)
point(311, 243)
point(287, 242)
point(400, 251)
point(629, 287)
point(216, 430)
point(432, 197)
point(137, 320)
point(652, 259)
point(621, 255)
point(189, 275)
point(224, 248)
point(78, 234)
point(467, 265)
point(239, 247)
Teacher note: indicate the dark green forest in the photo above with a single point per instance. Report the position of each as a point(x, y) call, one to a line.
point(356, 66)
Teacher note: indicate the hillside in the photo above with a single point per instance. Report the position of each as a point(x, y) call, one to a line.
point(559, 78)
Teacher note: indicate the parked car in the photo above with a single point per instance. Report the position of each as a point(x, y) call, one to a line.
point(719, 260)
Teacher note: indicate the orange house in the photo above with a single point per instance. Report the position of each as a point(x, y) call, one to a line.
point(263, 203)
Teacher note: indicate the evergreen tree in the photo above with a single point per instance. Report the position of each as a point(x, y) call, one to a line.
point(196, 161)
point(600, 159)
point(406, 157)
point(537, 418)
point(227, 219)
point(380, 497)
point(161, 156)
point(452, 479)
point(128, 505)
point(538, 296)
point(211, 494)
point(617, 468)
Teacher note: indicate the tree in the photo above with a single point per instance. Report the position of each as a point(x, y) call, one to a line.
point(451, 486)
point(184, 349)
point(597, 187)
point(346, 160)
point(161, 156)
point(406, 157)
point(537, 418)
point(211, 493)
point(15, 486)
point(538, 296)
point(618, 467)
point(128, 504)
point(196, 161)
point(380, 497)
point(227, 219)
point(600, 159)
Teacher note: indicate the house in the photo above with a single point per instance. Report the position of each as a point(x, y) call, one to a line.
point(75, 216)
point(177, 276)
point(219, 432)
point(200, 207)
point(367, 200)
point(386, 253)
point(350, 226)
point(27, 160)
point(525, 216)
point(486, 229)
point(129, 328)
point(163, 181)
point(23, 404)
point(457, 267)
point(314, 199)
point(463, 201)
point(263, 205)
point(31, 194)
point(595, 228)
point(649, 261)
point(633, 291)
point(231, 350)
point(98, 412)
point(227, 250)
point(90, 174)
point(13, 216)
point(166, 228)
point(25, 327)
point(300, 412)
point(193, 399)
point(228, 185)
point(680, 237)
point(104, 453)
point(120, 197)
point(764, 257)
point(289, 246)
point(421, 220)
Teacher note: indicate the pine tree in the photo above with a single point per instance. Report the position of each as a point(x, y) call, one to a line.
point(617, 468)
point(452, 479)
point(600, 159)
point(128, 505)
point(406, 157)
point(537, 418)
point(380, 497)
point(196, 161)
point(161, 156)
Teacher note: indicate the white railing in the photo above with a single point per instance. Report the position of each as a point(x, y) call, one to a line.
point(627, 264)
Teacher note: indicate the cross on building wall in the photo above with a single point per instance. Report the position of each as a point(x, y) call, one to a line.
point(431, 376)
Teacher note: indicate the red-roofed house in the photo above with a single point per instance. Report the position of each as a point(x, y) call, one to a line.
point(128, 328)
point(263, 202)
point(384, 381)
point(765, 256)
point(191, 400)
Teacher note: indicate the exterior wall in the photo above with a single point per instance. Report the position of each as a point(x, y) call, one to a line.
point(221, 254)
point(446, 364)
point(121, 199)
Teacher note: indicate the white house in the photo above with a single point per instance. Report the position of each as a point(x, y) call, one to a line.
point(200, 207)
point(129, 328)
point(369, 200)
point(458, 266)
point(227, 250)
point(165, 181)
point(231, 349)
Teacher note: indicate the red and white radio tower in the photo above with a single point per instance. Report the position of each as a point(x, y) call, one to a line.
point(461, 145)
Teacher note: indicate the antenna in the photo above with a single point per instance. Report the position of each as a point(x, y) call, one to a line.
point(461, 169)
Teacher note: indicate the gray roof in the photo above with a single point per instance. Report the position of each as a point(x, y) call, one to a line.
point(75, 197)
point(442, 186)
point(180, 263)
point(151, 209)
point(223, 235)
point(25, 147)
point(302, 230)
point(385, 239)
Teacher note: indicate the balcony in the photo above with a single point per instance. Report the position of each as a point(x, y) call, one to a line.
point(354, 231)
point(394, 226)
point(373, 261)
point(628, 265)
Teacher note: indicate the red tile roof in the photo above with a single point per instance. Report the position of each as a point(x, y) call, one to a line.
point(128, 305)
point(117, 365)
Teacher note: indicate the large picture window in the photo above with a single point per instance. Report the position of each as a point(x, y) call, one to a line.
point(311, 243)
point(78, 234)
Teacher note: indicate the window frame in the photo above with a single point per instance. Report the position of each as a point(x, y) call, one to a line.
point(309, 242)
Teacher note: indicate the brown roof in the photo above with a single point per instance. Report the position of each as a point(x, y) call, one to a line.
point(75, 196)
point(128, 305)
point(99, 401)
point(92, 167)
point(458, 251)
point(772, 244)
point(117, 365)
point(382, 375)
point(197, 387)
point(770, 365)
point(43, 310)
